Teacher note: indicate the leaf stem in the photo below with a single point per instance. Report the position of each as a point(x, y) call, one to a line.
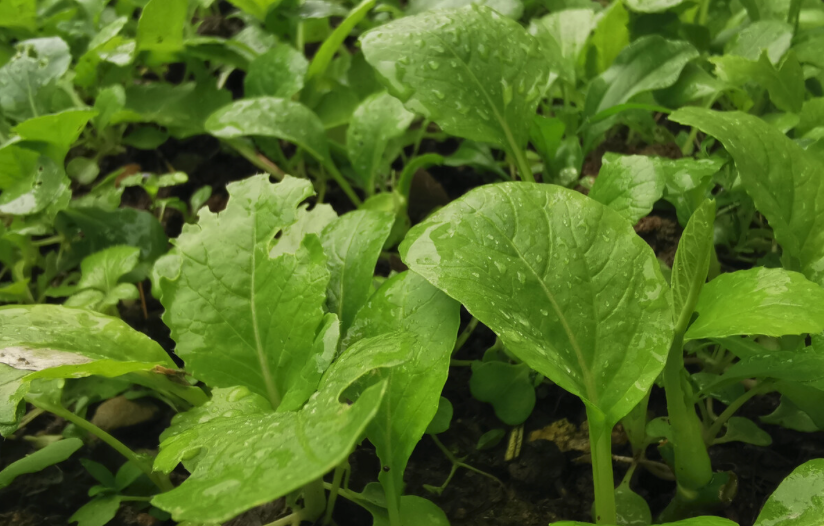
point(736, 404)
point(456, 463)
point(344, 185)
point(600, 443)
point(340, 469)
point(464, 336)
point(523, 166)
point(256, 158)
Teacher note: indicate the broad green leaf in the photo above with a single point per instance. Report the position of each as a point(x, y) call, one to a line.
point(740, 429)
point(694, 84)
point(101, 275)
point(628, 184)
point(696, 521)
point(309, 222)
point(279, 72)
point(772, 36)
point(17, 163)
point(240, 317)
point(415, 510)
point(507, 387)
point(28, 79)
point(652, 6)
point(106, 46)
point(271, 117)
point(451, 67)
point(406, 302)
point(789, 415)
point(39, 460)
point(771, 302)
point(377, 121)
point(785, 83)
point(631, 508)
point(509, 8)
point(692, 261)
point(784, 181)
point(248, 460)
point(610, 36)
point(182, 108)
point(57, 129)
point(18, 14)
point(97, 512)
point(767, 9)
point(564, 35)
point(31, 340)
point(160, 27)
point(563, 280)
point(799, 499)
point(443, 417)
point(649, 63)
point(352, 244)
point(34, 190)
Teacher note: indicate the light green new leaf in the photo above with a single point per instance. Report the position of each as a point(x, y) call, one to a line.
point(784, 83)
point(18, 13)
point(352, 244)
point(649, 63)
point(406, 302)
point(507, 387)
point(271, 117)
point(652, 6)
point(611, 35)
point(509, 8)
point(309, 222)
point(35, 189)
point(39, 460)
point(785, 181)
point(692, 261)
point(562, 279)
point(696, 521)
point(771, 302)
point(240, 317)
point(629, 184)
point(160, 27)
point(475, 73)
point(100, 278)
point(279, 72)
point(564, 35)
point(28, 78)
point(799, 499)
point(375, 123)
point(58, 129)
point(250, 459)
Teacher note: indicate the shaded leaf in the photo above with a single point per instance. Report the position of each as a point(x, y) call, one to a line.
point(507, 387)
point(40, 459)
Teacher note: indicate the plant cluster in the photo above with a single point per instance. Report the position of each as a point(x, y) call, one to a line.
point(291, 349)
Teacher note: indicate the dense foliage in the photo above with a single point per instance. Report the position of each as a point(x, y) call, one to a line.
point(318, 305)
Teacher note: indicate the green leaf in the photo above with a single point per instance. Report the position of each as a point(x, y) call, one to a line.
point(631, 508)
point(490, 439)
point(610, 36)
point(783, 180)
point(352, 244)
point(771, 302)
point(249, 460)
point(377, 121)
point(443, 417)
point(564, 35)
point(146, 138)
point(798, 500)
point(652, 6)
point(785, 84)
point(18, 14)
point(160, 27)
point(772, 36)
point(696, 521)
point(740, 429)
point(563, 280)
point(450, 66)
point(31, 340)
point(309, 222)
point(789, 415)
point(279, 72)
point(271, 117)
point(97, 512)
point(509, 8)
point(35, 189)
point(240, 317)
point(256, 8)
point(507, 387)
point(649, 63)
point(40, 459)
point(693, 84)
point(407, 303)
point(102, 272)
point(629, 184)
point(12, 390)
point(323, 56)
point(28, 79)
point(58, 129)
point(692, 262)
point(414, 511)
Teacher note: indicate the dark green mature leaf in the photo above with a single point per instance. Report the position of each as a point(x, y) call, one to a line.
point(375, 123)
point(251, 459)
point(772, 302)
point(406, 302)
point(39, 460)
point(740, 429)
point(271, 117)
point(693, 84)
point(507, 387)
point(442, 419)
point(27, 80)
point(478, 75)
point(509, 8)
point(692, 261)
point(649, 63)
point(562, 279)
point(97, 512)
point(160, 27)
point(784, 181)
point(564, 35)
point(798, 500)
point(240, 317)
point(785, 84)
point(279, 72)
point(352, 244)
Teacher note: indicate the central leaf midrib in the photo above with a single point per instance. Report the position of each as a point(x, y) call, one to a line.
point(271, 388)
